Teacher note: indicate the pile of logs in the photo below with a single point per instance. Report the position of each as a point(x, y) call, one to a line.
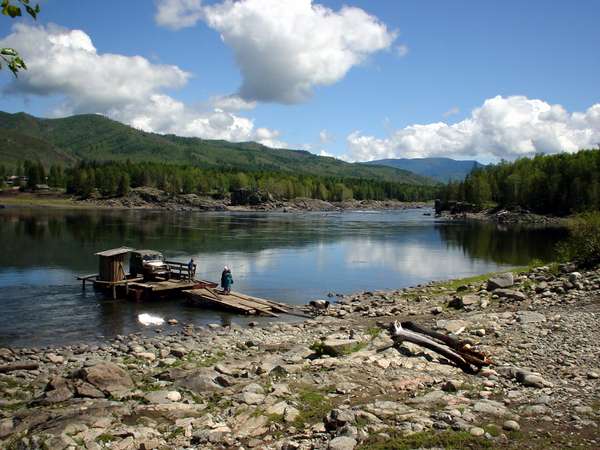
point(458, 351)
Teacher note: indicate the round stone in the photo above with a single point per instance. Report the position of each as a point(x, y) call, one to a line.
point(511, 425)
point(174, 396)
point(476, 431)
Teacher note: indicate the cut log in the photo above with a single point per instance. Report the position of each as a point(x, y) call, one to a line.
point(5, 368)
point(399, 335)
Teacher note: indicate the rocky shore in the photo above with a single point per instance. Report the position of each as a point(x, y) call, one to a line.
point(504, 216)
point(155, 199)
point(326, 383)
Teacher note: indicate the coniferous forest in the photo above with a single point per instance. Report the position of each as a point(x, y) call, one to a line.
point(546, 184)
point(114, 179)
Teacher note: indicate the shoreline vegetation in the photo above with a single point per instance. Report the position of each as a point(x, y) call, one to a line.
point(267, 387)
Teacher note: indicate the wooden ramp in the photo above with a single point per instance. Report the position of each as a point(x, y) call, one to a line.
point(240, 303)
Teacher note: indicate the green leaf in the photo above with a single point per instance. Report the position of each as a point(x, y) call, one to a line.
point(8, 51)
point(11, 10)
point(33, 11)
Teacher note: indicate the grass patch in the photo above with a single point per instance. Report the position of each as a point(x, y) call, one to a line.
point(215, 403)
point(426, 439)
point(13, 406)
point(455, 284)
point(27, 199)
point(374, 332)
point(105, 438)
point(493, 429)
point(313, 406)
point(178, 431)
point(9, 383)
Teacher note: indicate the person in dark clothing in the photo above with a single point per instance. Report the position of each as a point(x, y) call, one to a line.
point(226, 280)
point(191, 269)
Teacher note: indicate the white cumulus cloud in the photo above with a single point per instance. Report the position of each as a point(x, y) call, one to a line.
point(232, 103)
point(62, 61)
point(65, 63)
point(177, 14)
point(503, 127)
point(325, 137)
point(285, 48)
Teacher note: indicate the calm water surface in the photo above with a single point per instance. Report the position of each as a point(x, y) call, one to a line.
point(288, 257)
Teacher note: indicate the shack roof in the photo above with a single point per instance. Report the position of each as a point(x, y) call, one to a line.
point(114, 251)
point(147, 252)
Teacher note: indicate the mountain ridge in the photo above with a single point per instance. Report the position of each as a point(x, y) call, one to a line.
point(439, 168)
point(95, 137)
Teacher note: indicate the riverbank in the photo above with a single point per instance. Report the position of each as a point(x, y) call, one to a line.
point(155, 199)
point(322, 383)
point(507, 217)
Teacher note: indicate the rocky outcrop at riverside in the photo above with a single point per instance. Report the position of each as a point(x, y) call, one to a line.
point(331, 382)
point(241, 200)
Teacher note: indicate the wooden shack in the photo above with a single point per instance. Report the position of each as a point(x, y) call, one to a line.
point(111, 267)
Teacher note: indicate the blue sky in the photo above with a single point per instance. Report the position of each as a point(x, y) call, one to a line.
point(358, 80)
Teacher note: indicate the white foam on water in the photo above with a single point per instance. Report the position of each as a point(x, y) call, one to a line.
point(148, 319)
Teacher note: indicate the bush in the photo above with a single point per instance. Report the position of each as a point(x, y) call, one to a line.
point(583, 243)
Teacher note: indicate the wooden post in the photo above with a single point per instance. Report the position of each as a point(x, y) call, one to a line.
point(114, 292)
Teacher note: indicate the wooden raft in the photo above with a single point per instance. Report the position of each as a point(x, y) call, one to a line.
point(237, 302)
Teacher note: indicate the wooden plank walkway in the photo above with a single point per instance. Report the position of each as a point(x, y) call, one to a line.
point(237, 302)
point(167, 285)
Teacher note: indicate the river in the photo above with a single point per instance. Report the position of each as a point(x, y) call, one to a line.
point(292, 258)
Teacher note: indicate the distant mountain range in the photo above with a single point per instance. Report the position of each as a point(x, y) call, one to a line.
point(94, 137)
point(440, 169)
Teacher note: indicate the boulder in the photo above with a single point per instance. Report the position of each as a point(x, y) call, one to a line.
point(108, 378)
point(511, 294)
point(87, 390)
point(501, 281)
point(530, 379)
point(162, 397)
point(179, 352)
point(319, 304)
point(338, 418)
point(6, 427)
point(490, 407)
point(530, 317)
point(200, 381)
point(342, 443)
point(338, 345)
point(252, 398)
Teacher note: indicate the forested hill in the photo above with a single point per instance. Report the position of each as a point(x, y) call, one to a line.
point(548, 184)
point(96, 138)
point(440, 169)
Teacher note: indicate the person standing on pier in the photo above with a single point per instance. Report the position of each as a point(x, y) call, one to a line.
point(191, 269)
point(226, 280)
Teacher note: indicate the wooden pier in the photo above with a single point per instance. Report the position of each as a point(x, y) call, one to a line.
point(236, 302)
point(171, 279)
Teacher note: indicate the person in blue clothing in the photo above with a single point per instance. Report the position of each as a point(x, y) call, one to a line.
point(191, 269)
point(226, 280)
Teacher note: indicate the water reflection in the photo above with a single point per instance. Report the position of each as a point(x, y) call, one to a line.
point(289, 257)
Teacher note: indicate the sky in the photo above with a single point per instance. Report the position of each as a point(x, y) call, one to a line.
point(357, 80)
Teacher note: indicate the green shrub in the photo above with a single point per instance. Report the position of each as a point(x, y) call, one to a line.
point(583, 243)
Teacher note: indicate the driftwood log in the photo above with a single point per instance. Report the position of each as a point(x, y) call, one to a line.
point(462, 347)
point(400, 334)
point(18, 366)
